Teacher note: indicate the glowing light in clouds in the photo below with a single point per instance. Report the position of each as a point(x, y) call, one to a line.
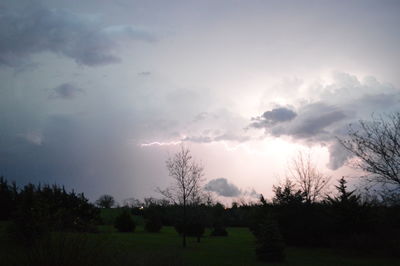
point(266, 146)
point(157, 143)
point(230, 148)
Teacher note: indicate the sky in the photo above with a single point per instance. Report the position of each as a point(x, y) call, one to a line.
point(96, 95)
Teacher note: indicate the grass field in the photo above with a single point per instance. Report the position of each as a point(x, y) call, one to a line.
point(236, 249)
point(141, 248)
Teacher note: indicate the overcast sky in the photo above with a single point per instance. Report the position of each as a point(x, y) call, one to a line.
point(96, 94)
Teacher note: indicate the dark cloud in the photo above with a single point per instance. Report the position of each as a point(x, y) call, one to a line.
point(36, 29)
point(311, 121)
point(273, 117)
point(65, 91)
point(77, 152)
point(144, 73)
point(346, 100)
point(222, 187)
point(338, 155)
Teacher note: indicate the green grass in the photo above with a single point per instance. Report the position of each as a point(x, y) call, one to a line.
point(236, 249)
point(108, 216)
point(164, 248)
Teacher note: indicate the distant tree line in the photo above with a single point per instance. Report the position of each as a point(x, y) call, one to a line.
point(38, 209)
point(342, 221)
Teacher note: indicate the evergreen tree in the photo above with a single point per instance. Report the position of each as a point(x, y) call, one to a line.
point(270, 246)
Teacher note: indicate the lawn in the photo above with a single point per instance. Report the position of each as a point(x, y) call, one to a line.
point(236, 249)
point(109, 247)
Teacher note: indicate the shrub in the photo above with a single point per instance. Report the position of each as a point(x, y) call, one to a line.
point(219, 231)
point(193, 229)
point(269, 242)
point(43, 209)
point(124, 222)
point(153, 224)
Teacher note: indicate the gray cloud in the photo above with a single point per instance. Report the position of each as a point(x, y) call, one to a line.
point(346, 100)
point(65, 91)
point(251, 193)
point(144, 73)
point(311, 122)
point(222, 187)
point(198, 139)
point(36, 29)
point(338, 155)
point(277, 115)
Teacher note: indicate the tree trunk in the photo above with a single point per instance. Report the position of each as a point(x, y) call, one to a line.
point(184, 224)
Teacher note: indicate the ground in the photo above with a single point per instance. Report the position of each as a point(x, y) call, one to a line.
point(109, 247)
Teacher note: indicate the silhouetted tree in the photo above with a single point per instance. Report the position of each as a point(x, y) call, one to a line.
point(286, 194)
point(218, 213)
point(270, 246)
point(41, 209)
point(376, 144)
point(8, 199)
point(344, 196)
point(195, 222)
point(105, 201)
point(349, 215)
point(187, 186)
point(307, 177)
point(152, 215)
point(124, 222)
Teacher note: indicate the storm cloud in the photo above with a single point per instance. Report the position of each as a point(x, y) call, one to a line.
point(65, 91)
point(35, 29)
point(84, 85)
point(346, 100)
point(272, 117)
point(222, 187)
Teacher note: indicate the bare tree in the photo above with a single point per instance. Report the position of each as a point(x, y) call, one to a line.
point(307, 177)
point(105, 201)
point(376, 144)
point(187, 186)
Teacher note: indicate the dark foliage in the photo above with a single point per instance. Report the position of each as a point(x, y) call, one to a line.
point(195, 223)
point(219, 230)
point(343, 221)
point(219, 220)
point(153, 225)
point(8, 199)
point(37, 210)
point(269, 242)
point(105, 201)
point(153, 221)
point(124, 222)
point(287, 194)
point(376, 143)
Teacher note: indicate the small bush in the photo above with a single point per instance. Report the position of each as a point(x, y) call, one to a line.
point(124, 222)
point(153, 225)
point(219, 231)
point(269, 242)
